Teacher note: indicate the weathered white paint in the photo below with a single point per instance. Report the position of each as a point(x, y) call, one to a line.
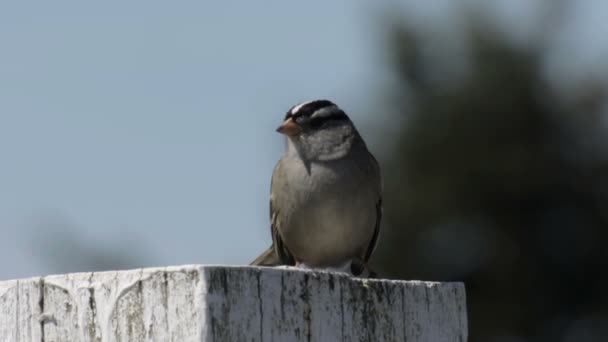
point(224, 303)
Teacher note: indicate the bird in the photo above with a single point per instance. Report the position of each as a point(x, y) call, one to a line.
point(326, 194)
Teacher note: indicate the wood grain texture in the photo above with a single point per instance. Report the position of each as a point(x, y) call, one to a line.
point(226, 303)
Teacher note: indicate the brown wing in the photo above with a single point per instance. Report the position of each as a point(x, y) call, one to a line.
point(374, 241)
point(277, 254)
point(372, 245)
point(284, 255)
point(269, 257)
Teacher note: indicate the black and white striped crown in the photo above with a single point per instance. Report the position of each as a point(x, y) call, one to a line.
point(316, 110)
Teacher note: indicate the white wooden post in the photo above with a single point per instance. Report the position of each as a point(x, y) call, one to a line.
point(226, 303)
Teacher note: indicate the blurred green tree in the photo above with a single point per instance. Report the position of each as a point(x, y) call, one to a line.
point(499, 181)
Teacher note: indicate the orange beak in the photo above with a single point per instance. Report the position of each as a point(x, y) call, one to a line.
point(289, 127)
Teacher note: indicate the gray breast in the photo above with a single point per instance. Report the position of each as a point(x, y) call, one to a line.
point(326, 213)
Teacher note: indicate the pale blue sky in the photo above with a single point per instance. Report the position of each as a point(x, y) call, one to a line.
point(154, 121)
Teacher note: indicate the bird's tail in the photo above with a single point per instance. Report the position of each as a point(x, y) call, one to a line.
point(268, 258)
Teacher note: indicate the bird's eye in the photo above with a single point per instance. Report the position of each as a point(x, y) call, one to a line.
point(320, 120)
point(317, 122)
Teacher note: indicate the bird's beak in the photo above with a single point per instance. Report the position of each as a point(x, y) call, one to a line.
point(289, 127)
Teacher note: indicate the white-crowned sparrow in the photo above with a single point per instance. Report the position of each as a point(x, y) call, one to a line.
point(326, 193)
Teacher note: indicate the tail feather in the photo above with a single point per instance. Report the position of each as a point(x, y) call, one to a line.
point(267, 258)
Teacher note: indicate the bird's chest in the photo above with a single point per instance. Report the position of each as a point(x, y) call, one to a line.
point(321, 187)
point(330, 211)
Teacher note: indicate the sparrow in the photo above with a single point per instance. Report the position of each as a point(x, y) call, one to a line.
point(325, 195)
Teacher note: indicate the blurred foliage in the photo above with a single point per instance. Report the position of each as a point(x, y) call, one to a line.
point(499, 180)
